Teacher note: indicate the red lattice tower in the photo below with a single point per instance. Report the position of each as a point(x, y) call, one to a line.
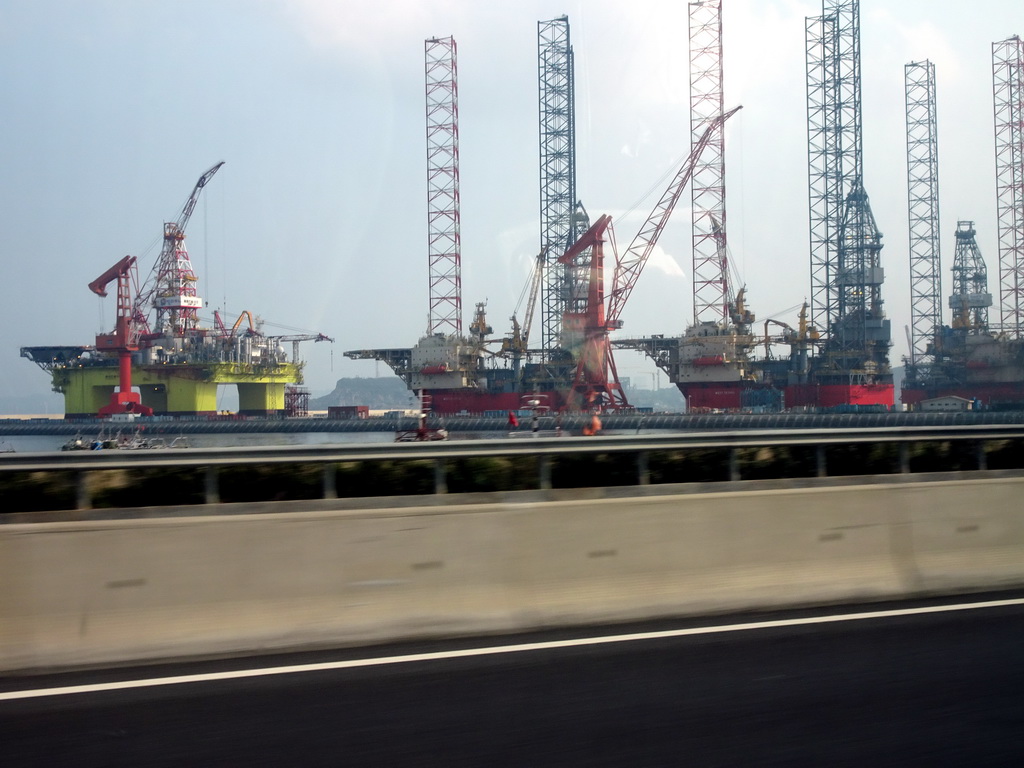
point(707, 187)
point(444, 239)
point(1008, 88)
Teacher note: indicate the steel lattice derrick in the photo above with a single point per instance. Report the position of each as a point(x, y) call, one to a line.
point(559, 227)
point(173, 292)
point(1008, 90)
point(443, 232)
point(707, 185)
point(861, 334)
point(923, 216)
point(969, 298)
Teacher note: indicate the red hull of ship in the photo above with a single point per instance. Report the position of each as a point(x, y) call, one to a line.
point(715, 397)
point(729, 397)
point(833, 395)
point(474, 401)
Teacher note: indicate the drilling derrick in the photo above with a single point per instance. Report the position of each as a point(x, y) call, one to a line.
point(970, 299)
point(563, 219)
point(173, 294)
point(923, 218)
point(1008, 88)
point(846, 272)
point(443, 232)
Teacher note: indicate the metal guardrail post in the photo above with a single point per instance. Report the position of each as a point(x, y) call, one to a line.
point(982, 456)
point(821, 459)
point(643, 469)
point(330, 480)
point(83, 499)
point(734, 464)
point(904, 458)
point(440, 477)
point(544, 472)
point(212, 486)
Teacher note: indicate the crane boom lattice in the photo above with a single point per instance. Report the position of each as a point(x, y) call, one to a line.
point(631, 264)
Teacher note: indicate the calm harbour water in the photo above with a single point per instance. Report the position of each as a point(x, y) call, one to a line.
point(33, 443)
point(30, 443)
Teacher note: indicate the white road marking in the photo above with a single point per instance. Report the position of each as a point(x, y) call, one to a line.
point(496, 650)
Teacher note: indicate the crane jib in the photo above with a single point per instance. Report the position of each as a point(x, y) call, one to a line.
point(628, 268)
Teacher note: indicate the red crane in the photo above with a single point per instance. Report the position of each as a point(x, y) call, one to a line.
point(122, 340)
point(596, 383)
point(585, 332)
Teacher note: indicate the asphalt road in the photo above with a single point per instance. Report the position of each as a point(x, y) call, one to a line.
point(933, 688)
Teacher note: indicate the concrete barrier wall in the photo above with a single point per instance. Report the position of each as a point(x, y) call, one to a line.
point(115, 590)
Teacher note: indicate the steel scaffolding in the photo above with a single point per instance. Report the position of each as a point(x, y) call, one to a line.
point(1008, 97)
point(707, 185)
point(444, 238)
point(923, 217)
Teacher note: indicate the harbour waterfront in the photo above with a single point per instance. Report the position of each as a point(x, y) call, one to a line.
point(49, 442)
point(24, 435)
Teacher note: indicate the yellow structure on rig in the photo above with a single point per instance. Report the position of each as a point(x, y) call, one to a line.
point(175, 389)
point(180, 389)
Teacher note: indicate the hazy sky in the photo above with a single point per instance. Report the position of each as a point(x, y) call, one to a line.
point(317, 222)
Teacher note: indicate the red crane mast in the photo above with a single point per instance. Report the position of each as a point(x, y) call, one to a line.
point(122, 340)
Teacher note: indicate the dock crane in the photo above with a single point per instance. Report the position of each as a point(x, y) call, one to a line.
point(596, 383)
point(122, 340)
point(295, 338)
point(517, 344)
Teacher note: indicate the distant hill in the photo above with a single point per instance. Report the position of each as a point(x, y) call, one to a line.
point(385, 393)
